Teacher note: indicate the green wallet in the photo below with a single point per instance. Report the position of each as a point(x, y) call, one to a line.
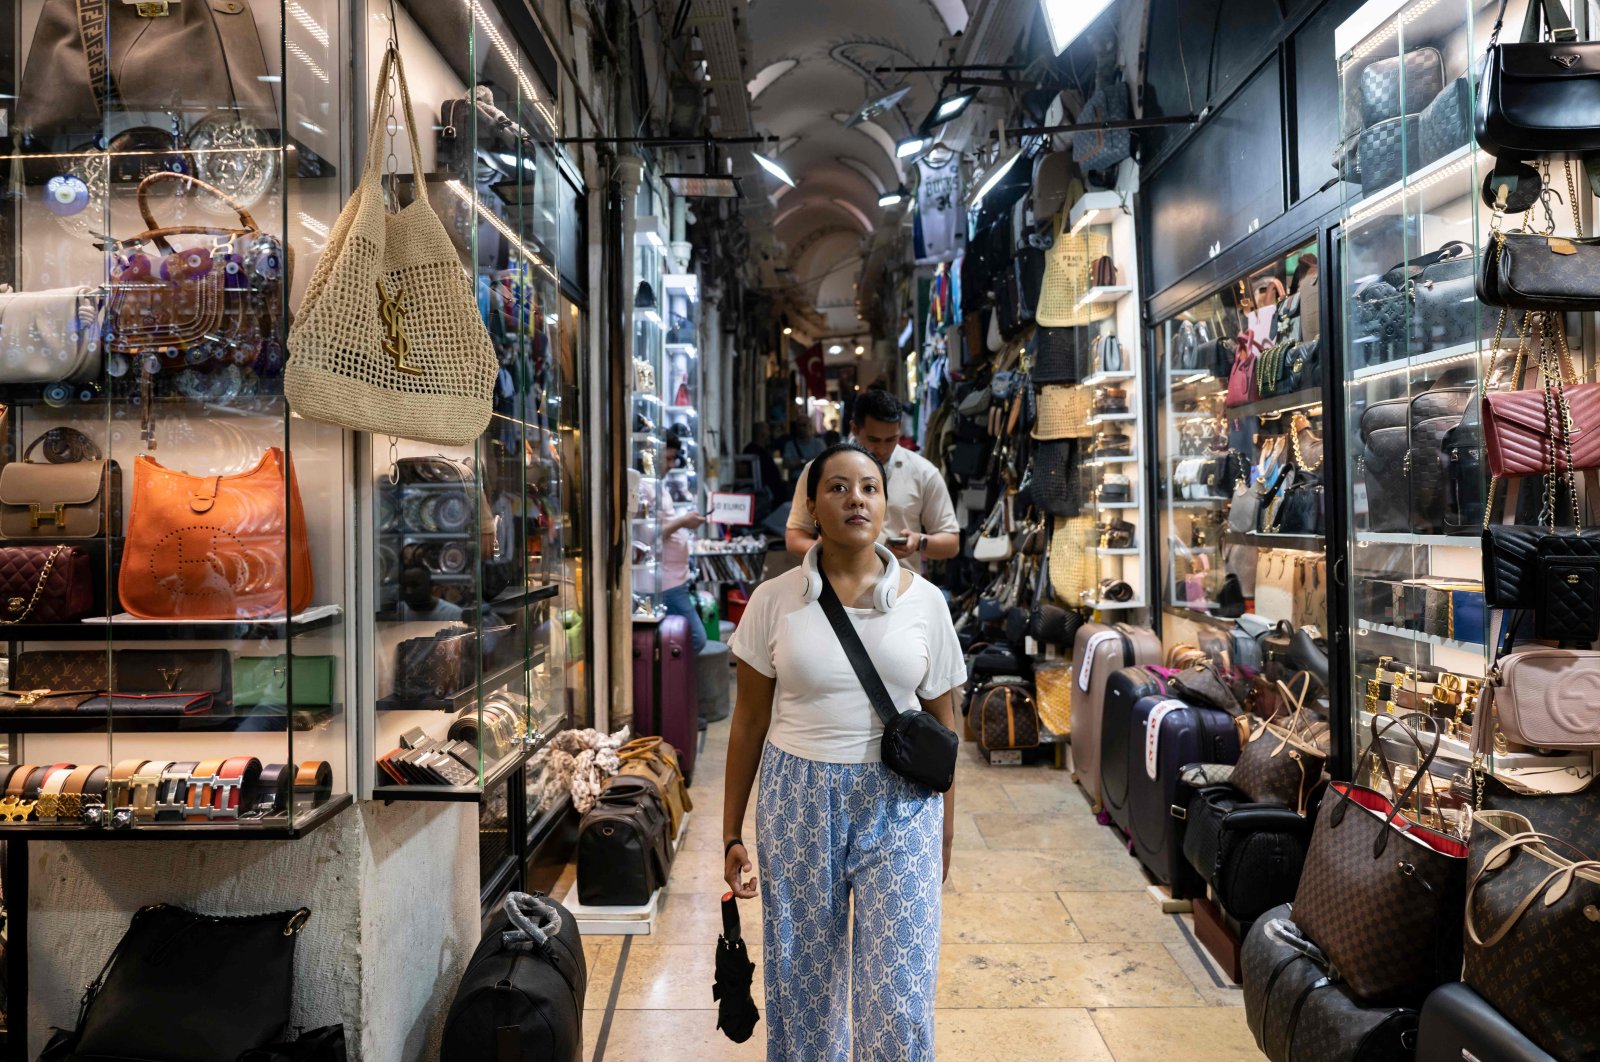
point(263, 681)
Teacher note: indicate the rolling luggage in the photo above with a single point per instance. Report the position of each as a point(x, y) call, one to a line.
point(1458, 1024)
point(1099, 650)
point(1297, 1014)
point(664, 689)
point(1165, 736)
point(1125, 688)
point(521, 999)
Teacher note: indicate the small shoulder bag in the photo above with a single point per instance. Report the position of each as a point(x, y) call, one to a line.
point(916, 746)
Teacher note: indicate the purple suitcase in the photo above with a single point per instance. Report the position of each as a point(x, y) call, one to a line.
point(677, 702)
point(1125, 688)
point(644, 679)
point(1184, 735)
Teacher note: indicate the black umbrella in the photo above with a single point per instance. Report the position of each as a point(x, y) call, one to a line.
point(736, 1010)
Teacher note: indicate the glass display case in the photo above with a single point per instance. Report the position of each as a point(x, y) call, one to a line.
point(645, 471)
point(681, 392)
point(1241, 467)
point(175, 552)
point(1417, 346)
point(471, 546)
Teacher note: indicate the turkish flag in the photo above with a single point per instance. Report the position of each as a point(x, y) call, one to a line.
point(811, 365)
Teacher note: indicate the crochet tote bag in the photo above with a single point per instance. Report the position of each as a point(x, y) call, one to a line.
point(388, 337)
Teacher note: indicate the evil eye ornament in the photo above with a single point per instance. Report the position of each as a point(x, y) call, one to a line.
point(66, 195)
point(132, 269)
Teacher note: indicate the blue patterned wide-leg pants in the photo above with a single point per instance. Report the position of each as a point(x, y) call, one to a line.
point(830, 833)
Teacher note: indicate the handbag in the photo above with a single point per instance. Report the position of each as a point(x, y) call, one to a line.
point(1052, 695)
point(1072, 559)
point(46, 336)
point(1006, 716)
point(388, 338)
point(1109, 354)
point(1530, 933)
point(436, 668)
point(1067, 278)
point(1445, 298)
point(1535, 95)
point(1277, 765)
point(1550, 429)
point(167, 969)
point(1446, 123)
point(1097, 150)
point(53, 500)
point(1063, 413)
point(1275, 584)
point(263, 681)
point(1404, 938)
point(1379, 151)
point(656, 762)
point(1058, 357)
point(993, 545)
point(221, 547)
point(1400, 84)
point(45, 584)
point(1539, 698)
point(916, 746)
point(1062, 480)
point(142, 671)
point(1536, 271)
point(1242, 377)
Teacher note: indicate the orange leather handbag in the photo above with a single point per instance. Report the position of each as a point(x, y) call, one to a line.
point(215, 547)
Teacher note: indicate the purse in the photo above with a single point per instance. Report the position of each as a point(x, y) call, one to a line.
point(1052, 695)
point(388, 338)
point(53, 500)
point(1404, 938)
point(1550, 429)
point(1530, 933)
point(916, 746)
point(1242, 377)
point(45, 584)
point(434, 669)
point(145, 671)
point(1400, 84)
point(1445, 299)
point(263, 681)
point(1446, 123)
point(1536, 271)
point(170, 962)
point(1058, 357)
point(993, 545)
point(1111, 400)
point(1540, 698)
point(216, 547)
point(1379, 151)
point(1062, 480)
point(1109, 358)
point(46, 336)
point(1067, 278)
point(1535, 95)
point(1098, 150)
point(1278, 765)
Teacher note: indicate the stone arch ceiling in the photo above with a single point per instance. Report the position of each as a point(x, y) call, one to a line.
point(844, 50)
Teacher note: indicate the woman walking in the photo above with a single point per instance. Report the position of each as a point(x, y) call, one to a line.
point(834, 824)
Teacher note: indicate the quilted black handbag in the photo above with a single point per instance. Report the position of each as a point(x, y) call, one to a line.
point(1381, 153)
point(1400, 84)
point(1446, 122)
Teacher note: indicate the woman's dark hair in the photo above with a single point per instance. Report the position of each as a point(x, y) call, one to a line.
point(814, 476)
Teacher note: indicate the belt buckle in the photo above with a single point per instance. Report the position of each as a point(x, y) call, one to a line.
point(152, 8)
point(49, 805)
point(220, 787)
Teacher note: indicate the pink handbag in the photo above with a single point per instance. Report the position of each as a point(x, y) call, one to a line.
point(1542, 698)
point(1242, 377)
point(1524, 440)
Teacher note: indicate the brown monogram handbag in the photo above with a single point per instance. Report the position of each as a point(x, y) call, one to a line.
point(216, 547)
point(1281, 763)
point(1007, 718)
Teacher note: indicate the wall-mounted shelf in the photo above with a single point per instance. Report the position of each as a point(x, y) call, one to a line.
point(1311, 396)
point(1096, 379)
point(1419, 637)
point(276, 828)
point(1109, 606)
point(1116, 505)
point(1097, 208)
point(1461, 352)
point(1106, 418)
point(1129, 459)
point(124, 627)
point(1405, 538)
point(1106, 293)
point(1131, 552)
point(1270, 541)
point(462, 793)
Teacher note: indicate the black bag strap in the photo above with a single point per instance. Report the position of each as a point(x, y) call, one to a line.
point(865, 670)
point(1555, 16)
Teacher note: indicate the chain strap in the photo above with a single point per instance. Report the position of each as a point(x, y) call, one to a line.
point(38, 588)
point(1294, 444)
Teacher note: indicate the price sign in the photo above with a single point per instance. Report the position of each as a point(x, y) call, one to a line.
point(732, 510)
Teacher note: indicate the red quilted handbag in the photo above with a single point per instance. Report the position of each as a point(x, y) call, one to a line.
point(1242, 377)
point(1524, 439)
point(45, 584)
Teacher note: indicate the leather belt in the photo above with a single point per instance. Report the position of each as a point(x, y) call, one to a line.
point(274, 789)
point(119, 792)
point(172, 794)
point(69, 804)
point(49, 803)
point(198, 799)
point(314, 780)
point(145, 789)
point(18, 778)
point(235, 787)
point(6, 771)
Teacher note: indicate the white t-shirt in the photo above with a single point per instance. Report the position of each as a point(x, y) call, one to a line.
point(820, 710)
point(918, 501)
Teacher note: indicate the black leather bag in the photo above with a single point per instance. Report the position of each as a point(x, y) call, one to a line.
point(1567, 590)
point(1511, 560)
point(1446, 123)
point(1380, 151)
point(1383, 457)
point(1400, 84)
point(1061, 479)
point(169, 991)
point(1300, 368)
point(1539, 97)
point(969, 461)
point(624, 854)
point(1300, 509)
point(1464, 474)
point(916, 746)
point(1379, 317)
point(522, 995)
point(1250, 854)
point(1446, 308)
point(1458, 1024)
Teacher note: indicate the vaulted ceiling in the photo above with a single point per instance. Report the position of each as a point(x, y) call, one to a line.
point(813, 64)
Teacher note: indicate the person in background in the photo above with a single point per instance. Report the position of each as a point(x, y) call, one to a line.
point(803, 446)
point(760, 447)
point(830, 438)
point(677, 537)
point(922, 520)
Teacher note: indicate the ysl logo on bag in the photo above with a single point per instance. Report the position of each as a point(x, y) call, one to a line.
point(1566, 60)
point(170, 676)
point(395, 344)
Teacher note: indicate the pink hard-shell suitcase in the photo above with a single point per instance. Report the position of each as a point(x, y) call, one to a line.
point(1094, 660)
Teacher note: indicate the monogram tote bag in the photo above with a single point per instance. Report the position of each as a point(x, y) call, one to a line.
point(388, 337)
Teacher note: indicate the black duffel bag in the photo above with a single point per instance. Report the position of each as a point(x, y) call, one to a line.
point(624, 854)
point(1298, 1014)
point(521, 998)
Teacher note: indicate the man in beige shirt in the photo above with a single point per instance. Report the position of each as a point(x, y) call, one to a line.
point(921, 521)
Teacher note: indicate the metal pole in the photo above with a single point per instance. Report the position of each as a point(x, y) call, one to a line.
point(1121, 123)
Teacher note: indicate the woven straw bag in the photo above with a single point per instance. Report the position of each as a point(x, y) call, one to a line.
point(388, 338)
point(1068, 266)
point(1073, 558)
point(1063, 413)
point(1052, 694)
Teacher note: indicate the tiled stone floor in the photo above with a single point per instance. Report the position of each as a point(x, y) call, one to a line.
point(1052, 947)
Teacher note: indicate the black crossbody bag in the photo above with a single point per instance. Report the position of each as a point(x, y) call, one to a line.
point(916, 746)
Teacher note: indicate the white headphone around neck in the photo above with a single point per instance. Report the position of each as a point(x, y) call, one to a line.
point(884, 595)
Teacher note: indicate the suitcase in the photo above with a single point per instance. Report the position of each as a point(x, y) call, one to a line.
point(664, 670)
point(522, 1001)
point(1099, 650)
point(1296, 1014)
point(1458, 1024)
point(1125, 688)
point(1185, 734)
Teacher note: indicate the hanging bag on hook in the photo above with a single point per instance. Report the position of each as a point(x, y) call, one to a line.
point(388, 338)
point(1540, 97)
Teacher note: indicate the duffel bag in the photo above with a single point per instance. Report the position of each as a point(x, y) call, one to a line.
point(1457, 1024)
point(653, 759)
point(1298, 1014)
point(1250, 854)
point(521, 997)
point(624, 854)
point(1007, 717)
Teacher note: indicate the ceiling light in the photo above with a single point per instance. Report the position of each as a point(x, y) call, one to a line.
point(949, 110)
point(788, 331)
point(996, 172)
point(773, 168)
point(892, 198)
point(911, 145)
point(1067, 18)
point(860, 350)
point(873, 108)
point(835, 349)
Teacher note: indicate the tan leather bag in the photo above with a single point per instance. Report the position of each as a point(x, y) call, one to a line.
point(49, 501)
point(216, 547)
point(657, 762)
